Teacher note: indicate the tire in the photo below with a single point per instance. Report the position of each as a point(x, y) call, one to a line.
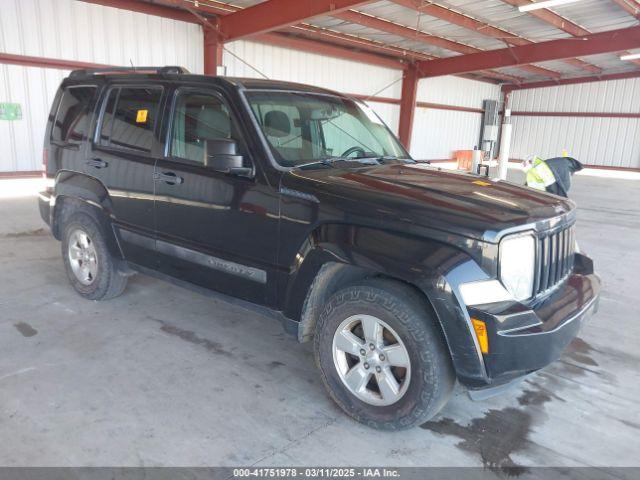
point(97, 277)
point(407, 322)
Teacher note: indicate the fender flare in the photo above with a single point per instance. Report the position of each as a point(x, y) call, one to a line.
point(85, 193)
point(432, 267)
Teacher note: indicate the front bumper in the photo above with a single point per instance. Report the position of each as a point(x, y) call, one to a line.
point(525, 338)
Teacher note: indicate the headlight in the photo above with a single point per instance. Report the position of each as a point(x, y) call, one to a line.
point(517, 258)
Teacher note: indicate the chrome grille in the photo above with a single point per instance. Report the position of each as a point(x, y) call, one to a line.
point(554, 261)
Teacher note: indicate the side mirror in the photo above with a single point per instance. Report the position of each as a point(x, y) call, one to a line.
point(222, 155)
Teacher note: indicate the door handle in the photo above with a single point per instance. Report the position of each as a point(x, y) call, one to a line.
point(169, 178)
point(97, 163)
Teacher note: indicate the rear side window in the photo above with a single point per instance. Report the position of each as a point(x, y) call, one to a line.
point(129, 118)
point(73, 118)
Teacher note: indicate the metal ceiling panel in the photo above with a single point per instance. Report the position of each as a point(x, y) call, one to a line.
point(563, 67)
point(611, 61)
point(428, 24)
point(596, 15)
point(526, 75)
point(379, 36)
point(502, 15)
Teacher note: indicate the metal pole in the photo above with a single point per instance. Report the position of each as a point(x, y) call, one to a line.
point(505, 145)
point(408, 105)
point(475, 159)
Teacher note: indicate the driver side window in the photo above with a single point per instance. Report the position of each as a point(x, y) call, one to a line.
point(198, 117)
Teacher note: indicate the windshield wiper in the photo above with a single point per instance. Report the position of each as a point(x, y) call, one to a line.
point(329, 161)
point(386, 158)
point(366, 160)
point(321, 161)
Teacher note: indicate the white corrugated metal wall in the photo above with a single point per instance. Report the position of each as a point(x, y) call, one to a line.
point(438, 133)
point(346, 76)
point(71, 30)
point(594, 140)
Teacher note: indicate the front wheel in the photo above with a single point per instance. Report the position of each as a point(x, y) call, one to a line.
point(382, 356)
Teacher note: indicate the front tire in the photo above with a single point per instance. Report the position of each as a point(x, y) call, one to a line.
point(381, 355)
point(91, 269)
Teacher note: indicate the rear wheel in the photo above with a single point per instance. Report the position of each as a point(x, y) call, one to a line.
point(382, 356)
point(91, 269)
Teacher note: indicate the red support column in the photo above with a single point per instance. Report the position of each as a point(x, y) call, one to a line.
point(408, 105)
point(212, 51)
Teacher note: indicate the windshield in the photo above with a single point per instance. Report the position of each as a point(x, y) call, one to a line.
point(303, 128)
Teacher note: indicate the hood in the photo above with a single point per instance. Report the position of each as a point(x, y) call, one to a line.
point(462, 203)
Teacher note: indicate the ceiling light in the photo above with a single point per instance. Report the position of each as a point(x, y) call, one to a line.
point(631, 56)
point(545, 4)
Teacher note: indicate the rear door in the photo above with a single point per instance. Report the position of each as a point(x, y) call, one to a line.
point(123, 155)
point(213, 229)
point(70, 128)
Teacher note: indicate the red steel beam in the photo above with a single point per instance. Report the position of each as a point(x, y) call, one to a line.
point(461, 20)
point(42, 62)
point(455, 108)
point(436, 106)
point(323, 48)
point(576, 114)
point(149, 8)
point(341, 39)
point(310, 31)
point(552, 18)
point(276, 14)
point(482, 28)
point(410, 33)
point(596, 43)
point(630, 6)
point(212, 52)
point(353, 41)
point(402, 31)
point(572, 81)
point(373, 98)
point(408, 105)
point(367, 51)
point(557, 21)
point(211, 7)
point(500, 76)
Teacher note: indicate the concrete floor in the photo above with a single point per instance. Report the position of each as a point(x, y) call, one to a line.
point(164, 376)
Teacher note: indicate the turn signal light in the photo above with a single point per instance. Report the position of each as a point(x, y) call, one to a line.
point(481, 334)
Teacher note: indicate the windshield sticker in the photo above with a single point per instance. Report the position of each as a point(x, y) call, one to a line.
point(141, 117)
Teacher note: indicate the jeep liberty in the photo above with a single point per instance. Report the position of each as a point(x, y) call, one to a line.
point(299, 200)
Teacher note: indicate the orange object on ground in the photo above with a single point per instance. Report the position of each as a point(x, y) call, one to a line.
point(464, 159)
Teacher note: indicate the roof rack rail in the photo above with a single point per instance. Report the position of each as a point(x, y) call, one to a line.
point(171, 70)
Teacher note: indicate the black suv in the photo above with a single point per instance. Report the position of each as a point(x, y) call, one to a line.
point(301, 200)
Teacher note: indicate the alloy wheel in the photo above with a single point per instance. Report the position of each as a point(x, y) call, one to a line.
point(371, 360)
point(83, 257)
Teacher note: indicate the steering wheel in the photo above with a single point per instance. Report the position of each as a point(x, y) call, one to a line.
point(349, 151)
